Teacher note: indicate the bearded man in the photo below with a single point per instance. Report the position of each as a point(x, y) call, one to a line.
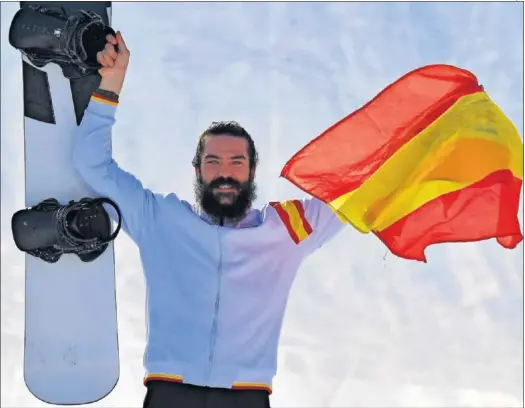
point(218, 274)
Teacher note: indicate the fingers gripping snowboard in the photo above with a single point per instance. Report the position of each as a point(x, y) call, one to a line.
point(71, 343)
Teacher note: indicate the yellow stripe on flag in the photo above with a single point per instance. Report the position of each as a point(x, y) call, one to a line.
point(469, 141)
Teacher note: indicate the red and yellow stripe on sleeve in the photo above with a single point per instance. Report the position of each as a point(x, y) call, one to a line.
point(103, 99)
point(235, 385)
point(252, 386)
point(431, 159)
point(292, 215)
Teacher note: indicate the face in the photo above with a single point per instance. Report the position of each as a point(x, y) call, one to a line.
point(224, 183)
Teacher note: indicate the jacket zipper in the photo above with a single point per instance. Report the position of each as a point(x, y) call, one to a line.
point(217, 300)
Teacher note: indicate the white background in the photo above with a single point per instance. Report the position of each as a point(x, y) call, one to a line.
point(361, 329)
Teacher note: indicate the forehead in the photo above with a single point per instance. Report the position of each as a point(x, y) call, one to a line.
point(225, 145)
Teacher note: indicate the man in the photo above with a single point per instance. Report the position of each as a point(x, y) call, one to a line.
point(218, 276)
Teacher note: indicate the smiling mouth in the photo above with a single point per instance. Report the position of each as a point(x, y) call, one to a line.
point(225, 188)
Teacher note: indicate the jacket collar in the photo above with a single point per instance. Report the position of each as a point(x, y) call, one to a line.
point(251, 219)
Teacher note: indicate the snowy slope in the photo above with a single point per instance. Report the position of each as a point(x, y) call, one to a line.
point(361, 329)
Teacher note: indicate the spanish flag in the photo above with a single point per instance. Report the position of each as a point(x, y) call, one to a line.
point(431, 159)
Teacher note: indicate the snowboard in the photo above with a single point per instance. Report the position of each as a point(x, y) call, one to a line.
point(71, 351)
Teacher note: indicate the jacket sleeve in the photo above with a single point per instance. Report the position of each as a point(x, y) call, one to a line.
point(92, 158)
point(324, 222)
point(309, 222)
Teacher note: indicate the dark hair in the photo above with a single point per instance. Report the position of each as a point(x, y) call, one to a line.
point(230, 128)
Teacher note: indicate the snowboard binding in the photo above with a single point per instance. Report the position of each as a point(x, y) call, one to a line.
point(71, 39)
point(49, 230)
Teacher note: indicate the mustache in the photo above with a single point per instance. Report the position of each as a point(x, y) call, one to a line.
point(224, 180)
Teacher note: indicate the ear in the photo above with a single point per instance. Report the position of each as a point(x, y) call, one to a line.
point(197, 171)
point(252, 173)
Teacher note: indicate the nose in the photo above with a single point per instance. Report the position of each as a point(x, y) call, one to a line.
point(224, 171)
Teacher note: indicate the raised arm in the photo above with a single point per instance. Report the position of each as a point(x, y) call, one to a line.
point(309, 222)
point(92, 153)
point(92, 158)
point(325, 224)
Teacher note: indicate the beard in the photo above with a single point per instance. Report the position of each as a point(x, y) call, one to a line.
point(222, 206)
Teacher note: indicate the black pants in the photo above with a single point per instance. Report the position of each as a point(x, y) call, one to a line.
point(164, 394)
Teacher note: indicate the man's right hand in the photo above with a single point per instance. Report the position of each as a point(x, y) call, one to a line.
point(114, 64)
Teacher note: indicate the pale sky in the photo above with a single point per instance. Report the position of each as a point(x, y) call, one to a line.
point(360, 330)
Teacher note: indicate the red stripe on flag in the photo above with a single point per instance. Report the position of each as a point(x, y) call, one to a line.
point(484, 210)
point(344, 156)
